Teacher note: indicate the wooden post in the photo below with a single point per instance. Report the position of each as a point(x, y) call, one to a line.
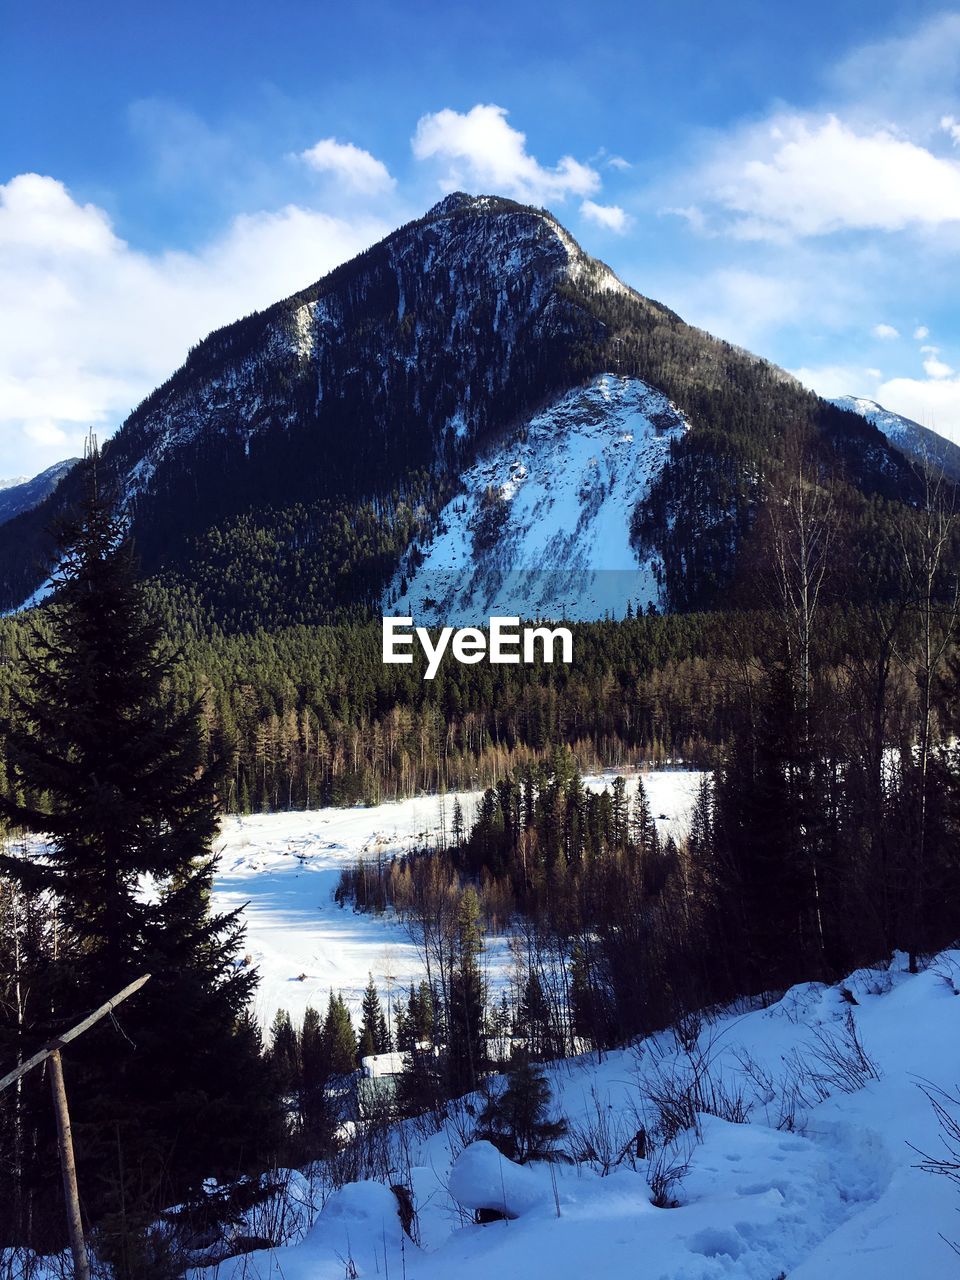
point(68, 1167)
point(68, 1164)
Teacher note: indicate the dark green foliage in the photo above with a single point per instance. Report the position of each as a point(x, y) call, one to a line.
point(464, 1046)
point(310, 1066)
point(536, 1023)
point(516, 1122)
point(374, 1036)
point(100, 760)
point(339, 1038)
point(285, 1052)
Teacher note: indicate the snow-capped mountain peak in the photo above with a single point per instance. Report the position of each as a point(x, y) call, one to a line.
point(917, 442)
point(314, 448)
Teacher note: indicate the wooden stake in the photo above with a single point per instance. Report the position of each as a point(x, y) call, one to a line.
point(68, 1164)
point(68, 1167)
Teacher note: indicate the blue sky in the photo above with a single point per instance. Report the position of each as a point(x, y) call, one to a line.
point(786, 176)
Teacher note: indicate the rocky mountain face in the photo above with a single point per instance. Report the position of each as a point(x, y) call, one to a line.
point(474, 395)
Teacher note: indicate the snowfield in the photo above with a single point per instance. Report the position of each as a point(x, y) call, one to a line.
point(821, 1183)
point(542, 528)
point(282, 870)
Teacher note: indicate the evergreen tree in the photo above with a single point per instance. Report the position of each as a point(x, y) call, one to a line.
point(643, 827)
point(374, 1037)
point(465, 1030)
point(535, 1021)
point(285, 1052)
point(320, 1113)
point(101, 763)
point(458, 824)
point(516, 1121)
point(339, 1037)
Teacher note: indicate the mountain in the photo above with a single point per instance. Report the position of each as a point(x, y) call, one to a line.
point(307, 461)
point(23, 494)
point(916, 442)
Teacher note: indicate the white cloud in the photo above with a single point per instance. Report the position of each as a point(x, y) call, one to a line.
point(609, 216)
point(760, 306)
point(921, 332)
point(933, 367)
point(618, 162)
point(692, 214)
point(38, 215)
point(885, 331)
point(351, 165)
point(47, 434)
point(951, 126)
point(485, 154)
point(89, 325)
point(796, 176)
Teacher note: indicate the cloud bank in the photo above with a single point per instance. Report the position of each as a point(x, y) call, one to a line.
point(90, 325)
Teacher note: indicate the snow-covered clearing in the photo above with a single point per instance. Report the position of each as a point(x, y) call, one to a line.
point(813, 1187)
point(282, 868)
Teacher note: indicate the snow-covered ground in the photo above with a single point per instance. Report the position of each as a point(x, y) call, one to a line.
point(282, 868)
point(542, 528)
point(821, 1183)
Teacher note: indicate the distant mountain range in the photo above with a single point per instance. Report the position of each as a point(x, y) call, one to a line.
point(473, 414)
point(917, 442)
point(23, 494)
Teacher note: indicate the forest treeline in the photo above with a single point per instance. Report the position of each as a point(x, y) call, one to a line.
point(310, 716)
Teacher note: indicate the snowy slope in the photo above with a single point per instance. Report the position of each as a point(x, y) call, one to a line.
point(909, 437)
point(542, 527)
point(22, 494)
point(821, 1183)
point(282, 869)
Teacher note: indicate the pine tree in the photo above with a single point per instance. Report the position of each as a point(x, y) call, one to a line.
point(516, 1121)
point(465, 1030)
point(102, 763)
point(320, 1113)
point(458, 824)
point(535, 1021)
point(374, 1037)
point(339, 1037)
point(643, 831)
point(285, 1052)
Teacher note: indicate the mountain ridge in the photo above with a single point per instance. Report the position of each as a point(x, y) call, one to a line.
point(19, 495)
point(299, 455)
point(917, 442)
